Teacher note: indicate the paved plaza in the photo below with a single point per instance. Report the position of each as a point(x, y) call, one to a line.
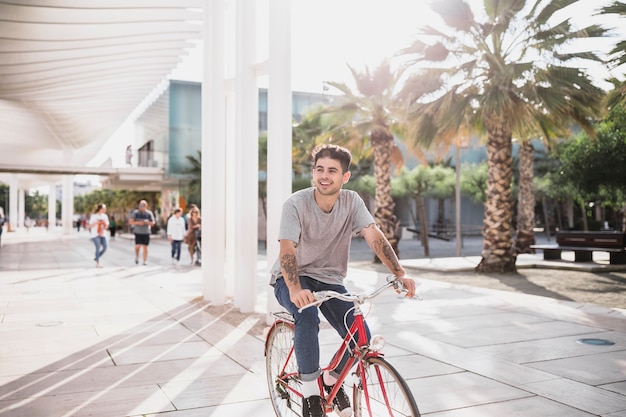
point(129, 340)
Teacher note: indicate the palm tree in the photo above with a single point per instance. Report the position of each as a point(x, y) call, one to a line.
point(368, 120)
point(498, 75)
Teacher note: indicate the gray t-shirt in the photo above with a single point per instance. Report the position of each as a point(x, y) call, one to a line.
point(139, 215)
point(322, 239)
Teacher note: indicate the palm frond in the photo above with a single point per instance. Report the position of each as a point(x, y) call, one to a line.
point(455, 13)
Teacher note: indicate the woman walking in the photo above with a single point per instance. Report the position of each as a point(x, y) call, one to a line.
point(100, 221)
point(194, 224)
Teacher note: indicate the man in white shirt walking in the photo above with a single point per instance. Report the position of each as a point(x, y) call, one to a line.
point(176, 233)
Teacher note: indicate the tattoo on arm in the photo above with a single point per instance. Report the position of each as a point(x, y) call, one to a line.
point(290, 268)
point(384, 251)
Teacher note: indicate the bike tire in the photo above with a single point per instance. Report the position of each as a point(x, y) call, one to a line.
point(382, 381)
point(278, 347)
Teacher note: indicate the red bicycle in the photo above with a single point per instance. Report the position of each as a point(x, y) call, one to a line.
point(377, 388)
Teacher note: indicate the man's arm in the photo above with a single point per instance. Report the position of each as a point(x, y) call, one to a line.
point(382, 248)
point(289, 268)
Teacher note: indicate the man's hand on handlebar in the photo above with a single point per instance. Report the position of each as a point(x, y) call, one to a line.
point(409, 286)
point(301, 297)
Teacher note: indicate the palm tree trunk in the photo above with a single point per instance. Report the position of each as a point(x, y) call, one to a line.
point(384, 204)
point(525, 200)
point(497, 254)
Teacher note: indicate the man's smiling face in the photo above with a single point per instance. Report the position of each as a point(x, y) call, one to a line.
point(328, 177)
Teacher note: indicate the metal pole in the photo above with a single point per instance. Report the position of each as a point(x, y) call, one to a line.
point(457, 197)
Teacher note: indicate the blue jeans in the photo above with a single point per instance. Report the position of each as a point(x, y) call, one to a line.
point(101, 246)
point(306, 342)
point(176, 245)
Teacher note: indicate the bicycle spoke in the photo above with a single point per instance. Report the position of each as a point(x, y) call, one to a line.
point(384, 392)
point(280, 363)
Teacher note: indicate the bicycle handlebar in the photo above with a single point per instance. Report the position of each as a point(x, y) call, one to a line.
point(321, 296)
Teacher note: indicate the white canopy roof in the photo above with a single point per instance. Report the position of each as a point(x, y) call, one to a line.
point(72, 71)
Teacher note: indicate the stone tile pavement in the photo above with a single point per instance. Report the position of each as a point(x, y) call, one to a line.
point(129, 340)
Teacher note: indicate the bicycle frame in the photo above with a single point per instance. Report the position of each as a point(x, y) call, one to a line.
point(360, 350)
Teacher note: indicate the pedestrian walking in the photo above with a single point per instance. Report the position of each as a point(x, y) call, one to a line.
point(99, 222)
point(112, 226)
point(194, 225)
point(176, 233)
point(142, 221)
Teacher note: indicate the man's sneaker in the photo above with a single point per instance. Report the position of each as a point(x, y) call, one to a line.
point(313, 407)
point(136, 261)
point(341, 401)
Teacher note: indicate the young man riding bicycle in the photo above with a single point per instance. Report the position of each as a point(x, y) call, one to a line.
point(316, 230)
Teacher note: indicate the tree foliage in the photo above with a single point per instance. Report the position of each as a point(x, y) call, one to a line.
point(474, 181)
point(596, 167)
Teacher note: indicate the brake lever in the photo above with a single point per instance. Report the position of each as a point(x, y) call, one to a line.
point(399, 287)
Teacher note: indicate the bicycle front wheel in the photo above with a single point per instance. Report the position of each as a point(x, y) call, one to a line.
point(381, 391)
point(282, 371)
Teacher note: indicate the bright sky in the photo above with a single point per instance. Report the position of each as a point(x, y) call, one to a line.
point(327, 35)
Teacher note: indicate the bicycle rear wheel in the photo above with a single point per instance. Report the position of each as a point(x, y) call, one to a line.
point(280, 360)
point(382, 391)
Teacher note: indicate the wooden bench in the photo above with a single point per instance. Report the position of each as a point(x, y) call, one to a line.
point(419, 232)
point(583, 244)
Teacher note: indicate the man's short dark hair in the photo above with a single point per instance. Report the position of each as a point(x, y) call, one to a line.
point(336, 152)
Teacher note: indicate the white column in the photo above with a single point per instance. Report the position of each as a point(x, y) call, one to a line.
point(21, 209)
point(13, 213)
point(67, 203)
point(278, 125)
point(213, 155)
point(246, 159)
point(52, 208)
point(231, 177)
